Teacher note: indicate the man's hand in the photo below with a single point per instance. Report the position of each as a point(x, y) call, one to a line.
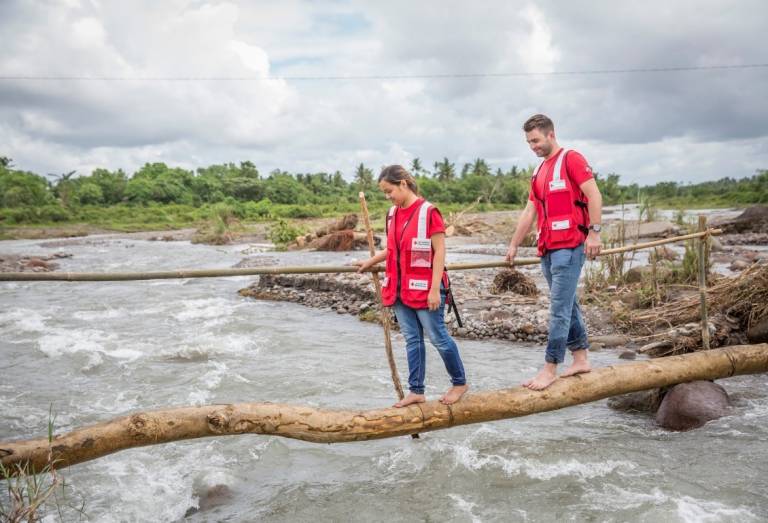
point(433, 298)
point(593, 245)
point(511, 253)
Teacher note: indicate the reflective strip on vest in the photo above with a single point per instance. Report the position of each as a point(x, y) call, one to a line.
point(558, 165)
point(422, 224)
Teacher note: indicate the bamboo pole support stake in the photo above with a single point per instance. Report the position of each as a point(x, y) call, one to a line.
point(703, 265)
point(383, 312)
point(318, 269)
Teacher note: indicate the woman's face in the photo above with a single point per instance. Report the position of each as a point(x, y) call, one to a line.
point(395, 193)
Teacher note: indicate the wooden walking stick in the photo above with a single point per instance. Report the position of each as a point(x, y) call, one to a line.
point(384, 314)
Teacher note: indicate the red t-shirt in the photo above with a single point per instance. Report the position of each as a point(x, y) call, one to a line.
point(435, 222)
point(576, 166)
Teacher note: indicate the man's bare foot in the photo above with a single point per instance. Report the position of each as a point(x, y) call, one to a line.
point(410, 399)
point(543, 379)
point(454, 394)
point(577, 368)
point(580, 364)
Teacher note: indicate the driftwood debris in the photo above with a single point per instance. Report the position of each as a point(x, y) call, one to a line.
point(329, 426)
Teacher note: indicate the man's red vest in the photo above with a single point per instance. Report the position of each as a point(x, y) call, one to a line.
point(409, 259)
point(563, 220)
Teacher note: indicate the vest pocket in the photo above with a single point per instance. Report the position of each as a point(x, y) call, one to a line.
point(559, 203)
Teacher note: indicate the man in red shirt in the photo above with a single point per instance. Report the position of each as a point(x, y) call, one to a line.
point(566, 205)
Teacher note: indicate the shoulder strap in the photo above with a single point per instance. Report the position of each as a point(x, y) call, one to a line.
point(422, 223)
point(390, 215)
point(559, 165)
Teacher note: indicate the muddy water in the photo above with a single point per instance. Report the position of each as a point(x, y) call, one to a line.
point(99, 350)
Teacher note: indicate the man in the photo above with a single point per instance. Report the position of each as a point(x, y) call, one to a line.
point(567, 205)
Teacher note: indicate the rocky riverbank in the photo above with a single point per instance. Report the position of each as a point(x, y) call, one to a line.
point(484, 313)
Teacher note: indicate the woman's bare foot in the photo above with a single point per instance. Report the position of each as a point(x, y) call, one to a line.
point(543, 379)
point(454, 394)
point(580, 364)
point(410, 399)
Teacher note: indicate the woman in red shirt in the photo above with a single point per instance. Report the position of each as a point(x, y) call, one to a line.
point(416, 283)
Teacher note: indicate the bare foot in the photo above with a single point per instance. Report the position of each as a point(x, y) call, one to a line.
point(454, 394)
point(543, 379)
point(410, 399)
point(580, 364)
point(578, 367)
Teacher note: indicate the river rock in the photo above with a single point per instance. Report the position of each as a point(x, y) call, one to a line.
point(642, 401)
point(628, 355)
point(610, 341)
point(758, 333)
point(754, 219)
point(638, 274)
point(690, 405)
point(662, 229)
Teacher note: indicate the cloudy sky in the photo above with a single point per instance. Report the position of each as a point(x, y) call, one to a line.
point(109, 83)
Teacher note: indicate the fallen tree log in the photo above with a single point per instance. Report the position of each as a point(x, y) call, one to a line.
point(330, 426)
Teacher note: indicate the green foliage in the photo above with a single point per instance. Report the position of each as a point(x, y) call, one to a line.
point(165, 197)
point(282, 232)
point(18, 189)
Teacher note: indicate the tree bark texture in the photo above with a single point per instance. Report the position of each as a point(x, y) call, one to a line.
point(333, 426)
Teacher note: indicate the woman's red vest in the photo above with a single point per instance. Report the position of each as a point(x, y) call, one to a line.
point(409, 259)
point(563, 220)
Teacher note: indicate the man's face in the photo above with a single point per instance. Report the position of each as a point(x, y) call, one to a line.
point(541, 144)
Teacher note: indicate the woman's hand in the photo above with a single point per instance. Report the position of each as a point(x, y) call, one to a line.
point(363, 264)
point(433, 298)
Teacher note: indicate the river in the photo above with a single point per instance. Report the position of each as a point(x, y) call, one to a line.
point(94, 351)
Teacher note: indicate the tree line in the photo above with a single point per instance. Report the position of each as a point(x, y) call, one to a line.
point(159, 184)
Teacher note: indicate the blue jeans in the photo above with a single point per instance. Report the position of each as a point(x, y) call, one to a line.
point(413, 323)
point(562, 268)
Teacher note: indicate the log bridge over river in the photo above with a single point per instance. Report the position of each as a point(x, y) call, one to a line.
point(337, 426)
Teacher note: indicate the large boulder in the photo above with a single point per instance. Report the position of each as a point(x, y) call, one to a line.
point(642, 401)
point(662, 229)
point(754, 219)
point(690, 405)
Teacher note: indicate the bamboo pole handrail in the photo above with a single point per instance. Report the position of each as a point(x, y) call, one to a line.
point(337, 426)
point(307, 269)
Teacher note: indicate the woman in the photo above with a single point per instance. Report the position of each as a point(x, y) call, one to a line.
point(415, 283)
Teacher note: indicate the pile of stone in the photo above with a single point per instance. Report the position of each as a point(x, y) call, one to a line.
point(19, 263)
point(483, 314)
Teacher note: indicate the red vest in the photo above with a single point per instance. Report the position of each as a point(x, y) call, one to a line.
point(561, 211)
point(409, 260)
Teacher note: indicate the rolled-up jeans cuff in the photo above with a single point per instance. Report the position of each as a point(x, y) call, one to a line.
point(579, 345)
point(551, 359)
point(417, 391)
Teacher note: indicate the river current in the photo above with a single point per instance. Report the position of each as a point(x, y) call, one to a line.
point(95, 351)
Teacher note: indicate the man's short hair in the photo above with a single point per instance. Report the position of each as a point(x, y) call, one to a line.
point(540, 122)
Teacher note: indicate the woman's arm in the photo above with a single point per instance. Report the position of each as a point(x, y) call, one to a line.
point(438, 266)
point(370, 262)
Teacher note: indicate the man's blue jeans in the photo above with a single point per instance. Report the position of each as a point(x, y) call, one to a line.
point(413, 323)
point(562, 268)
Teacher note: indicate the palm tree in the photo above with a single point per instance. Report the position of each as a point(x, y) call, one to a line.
point(364, 176)
point(445, 171)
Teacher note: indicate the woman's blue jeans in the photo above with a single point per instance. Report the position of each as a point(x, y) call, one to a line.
point(562, 268)
point(413, 323)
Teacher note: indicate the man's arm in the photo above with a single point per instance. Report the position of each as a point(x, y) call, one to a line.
point(593, 244)
point(523, 226)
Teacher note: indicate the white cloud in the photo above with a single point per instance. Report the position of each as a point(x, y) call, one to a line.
point(647, 127)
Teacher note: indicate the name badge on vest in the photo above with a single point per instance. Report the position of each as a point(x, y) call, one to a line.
point(557, 185)
point(421, 252)
point(561, 225)
point(418, 285)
